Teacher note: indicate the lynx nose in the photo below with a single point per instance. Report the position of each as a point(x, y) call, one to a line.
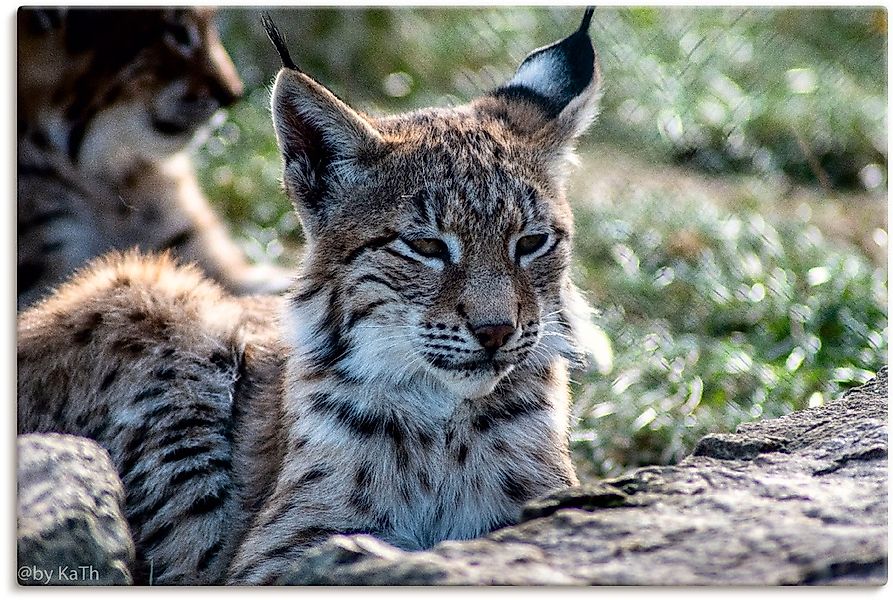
point(493, 337)
point(227, 93)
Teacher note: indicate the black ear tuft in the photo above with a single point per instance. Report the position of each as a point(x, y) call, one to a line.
point(552, 76)
point(278, 41)
point(587, 19)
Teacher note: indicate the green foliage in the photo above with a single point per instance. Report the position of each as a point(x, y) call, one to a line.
point(794, 91)
point(715, 318)
point(240, 168)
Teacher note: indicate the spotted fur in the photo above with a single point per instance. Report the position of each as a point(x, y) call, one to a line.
point(415, 385)
point(107, 102)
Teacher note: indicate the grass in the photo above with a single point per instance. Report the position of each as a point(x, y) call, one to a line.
point(715, 317)
point(718, 307)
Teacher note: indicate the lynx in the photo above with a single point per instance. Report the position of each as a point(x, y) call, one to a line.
point(412, 385)
point(107, 102)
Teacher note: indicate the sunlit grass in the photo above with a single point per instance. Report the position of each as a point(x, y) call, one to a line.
point(715, 318)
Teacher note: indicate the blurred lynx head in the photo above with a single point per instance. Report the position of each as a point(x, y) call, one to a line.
point(439, 241)
point(122, 82)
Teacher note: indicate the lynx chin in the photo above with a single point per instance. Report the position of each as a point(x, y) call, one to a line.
point(412, 384)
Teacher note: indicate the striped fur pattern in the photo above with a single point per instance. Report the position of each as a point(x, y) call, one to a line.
point(413, 382)
point(171, 376)
point(107, 102)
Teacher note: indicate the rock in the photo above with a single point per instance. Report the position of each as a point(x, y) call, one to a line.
point(797, 500)
point(71, 530)
point(588, 497)
point(365, 560)
point(361, 560)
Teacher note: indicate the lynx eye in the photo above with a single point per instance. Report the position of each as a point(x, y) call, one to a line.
point(530, 244)
point(182, 38)
point(430, 248)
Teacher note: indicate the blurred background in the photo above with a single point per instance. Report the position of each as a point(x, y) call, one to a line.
point(731, 201)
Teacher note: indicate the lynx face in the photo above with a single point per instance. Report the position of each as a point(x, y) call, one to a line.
point(439, 240)
point(135, 81)
point(463, 255)
point(169, 81)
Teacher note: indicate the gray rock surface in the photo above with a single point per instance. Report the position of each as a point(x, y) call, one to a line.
point(796, 500)
point(71, 530)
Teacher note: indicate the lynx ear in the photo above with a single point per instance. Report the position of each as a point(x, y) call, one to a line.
point(319, 136)
point(556, 88)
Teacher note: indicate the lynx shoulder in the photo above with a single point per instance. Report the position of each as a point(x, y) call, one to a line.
point(411, 385)
point(107, 102)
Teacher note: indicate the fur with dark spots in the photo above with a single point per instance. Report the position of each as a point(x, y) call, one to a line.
point(373, 244)
point(312, 475)
point(507, 411)
point(362, 476)
point(81, 420)
point(160, 411)
point(139, 517)
point(365, 311)
point(393, 430)
point(128, 346)
point(182, 428)
point(334, 347)
point(208, 502)
point(396, 254)
point(222, 360)
point(29, 273)
point(51, 247)
point(426, 440)
point(200, 469)
point(184, 452)
point(370, 278)
point(359, 497)
point(165, 373)
point(518, 491)
point(462, 453)
point(361, 501)
point(424, 480)
point(210, 554)
point(152, 392)
point(401, 454)
point(302, 537)
point(42, 219)
point(361, 423)
point(156, 536)
point(308, 293)
point(177, 241)
point(131, 453)
point(84, 335)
